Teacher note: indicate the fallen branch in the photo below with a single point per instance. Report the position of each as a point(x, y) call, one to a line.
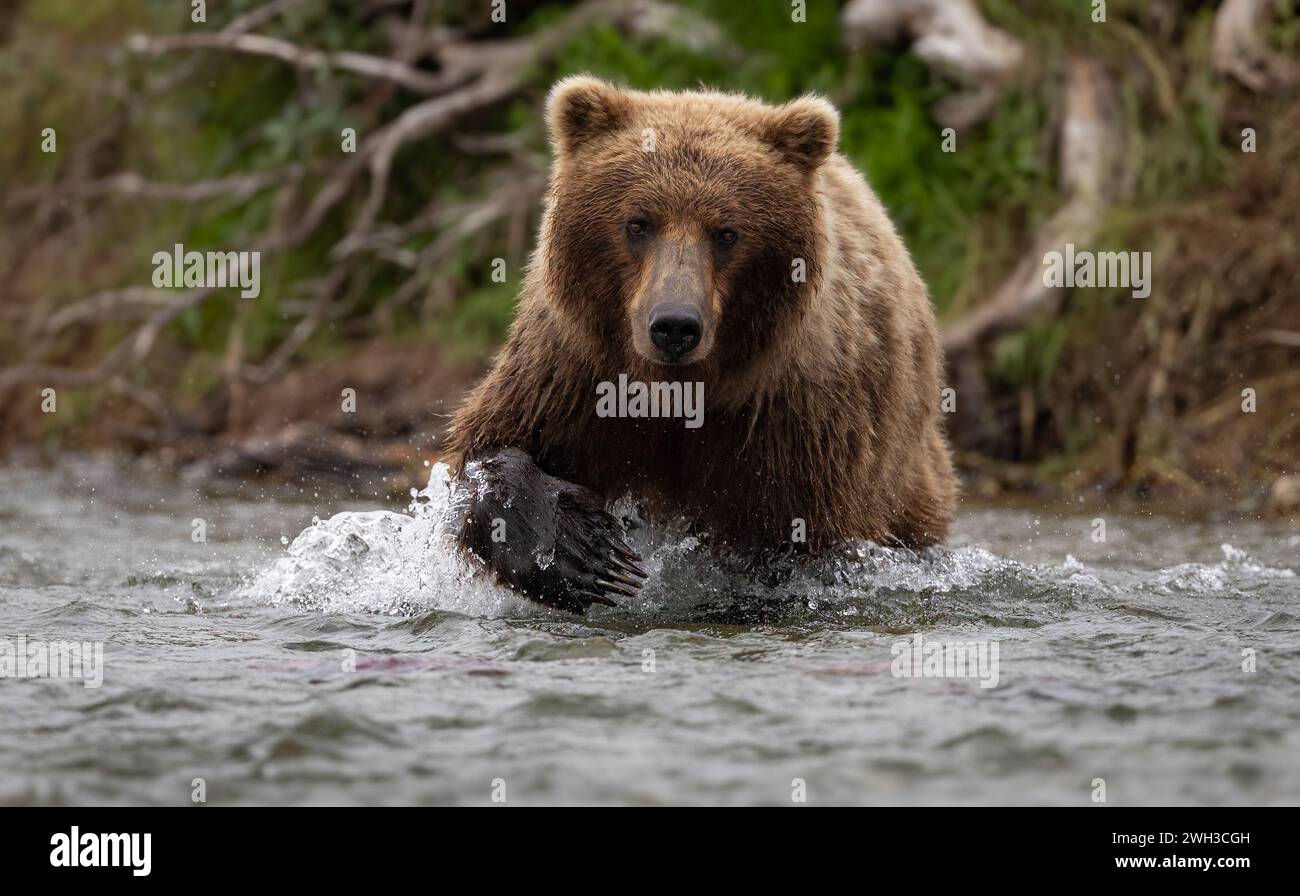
point(1289, 338)
point(1241, 50)
point(952, 38)
point(1089, 136)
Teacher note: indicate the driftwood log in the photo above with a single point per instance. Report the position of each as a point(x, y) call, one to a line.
point(952, 38)
point(1241, 49)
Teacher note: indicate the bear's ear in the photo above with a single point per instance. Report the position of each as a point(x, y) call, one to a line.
point(805, 131)
point(582, 107)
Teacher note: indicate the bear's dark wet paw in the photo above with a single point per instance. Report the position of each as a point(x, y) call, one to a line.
point(550, 539)
point(592, 561)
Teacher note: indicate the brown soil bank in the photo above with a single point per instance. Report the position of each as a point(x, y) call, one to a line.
point(1190, 396)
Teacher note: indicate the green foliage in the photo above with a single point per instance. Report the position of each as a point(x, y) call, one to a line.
point(1028, 357)
point(1286, 33)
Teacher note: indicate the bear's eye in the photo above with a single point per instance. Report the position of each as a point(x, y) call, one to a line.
point(727, 236)
point(637, 227)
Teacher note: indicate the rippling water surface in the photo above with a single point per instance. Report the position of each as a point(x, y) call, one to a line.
point(355, 659)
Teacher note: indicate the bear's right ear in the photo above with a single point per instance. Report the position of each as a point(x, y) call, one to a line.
point(582, 107)
point(805, 131)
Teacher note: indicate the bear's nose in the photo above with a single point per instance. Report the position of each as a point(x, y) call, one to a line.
point(675, 329)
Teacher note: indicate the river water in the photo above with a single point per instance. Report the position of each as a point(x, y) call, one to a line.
point(251, 655)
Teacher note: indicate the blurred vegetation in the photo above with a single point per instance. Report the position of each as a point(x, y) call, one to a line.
point(198, 115)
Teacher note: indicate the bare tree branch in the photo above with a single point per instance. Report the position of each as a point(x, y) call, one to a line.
point(1090, 134)
point(262, 15)
point(501, 68)
point(131, 184)
point(290, 53)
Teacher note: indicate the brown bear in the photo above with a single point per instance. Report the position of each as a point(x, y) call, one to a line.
point(703, 238)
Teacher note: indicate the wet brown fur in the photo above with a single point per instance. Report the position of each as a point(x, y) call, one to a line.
point(821, 398)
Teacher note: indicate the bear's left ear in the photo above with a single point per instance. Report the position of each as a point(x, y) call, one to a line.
point(805, 131)
point(582, 107)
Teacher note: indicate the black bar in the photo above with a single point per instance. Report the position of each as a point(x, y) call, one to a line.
point(306, 845)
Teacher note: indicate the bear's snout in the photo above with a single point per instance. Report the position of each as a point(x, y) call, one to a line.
point(675, 329)
point(672, 315)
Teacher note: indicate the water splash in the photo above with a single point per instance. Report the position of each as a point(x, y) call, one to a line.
point(404, 564)
point(385, 562)
point(1235, 573)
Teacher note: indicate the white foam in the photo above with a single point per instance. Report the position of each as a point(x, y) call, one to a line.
point(385, 562)
point(1236, 571)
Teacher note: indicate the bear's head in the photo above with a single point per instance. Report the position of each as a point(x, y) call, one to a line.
point(683, 228)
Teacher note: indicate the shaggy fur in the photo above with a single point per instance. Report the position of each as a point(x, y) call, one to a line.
point(821, 397)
